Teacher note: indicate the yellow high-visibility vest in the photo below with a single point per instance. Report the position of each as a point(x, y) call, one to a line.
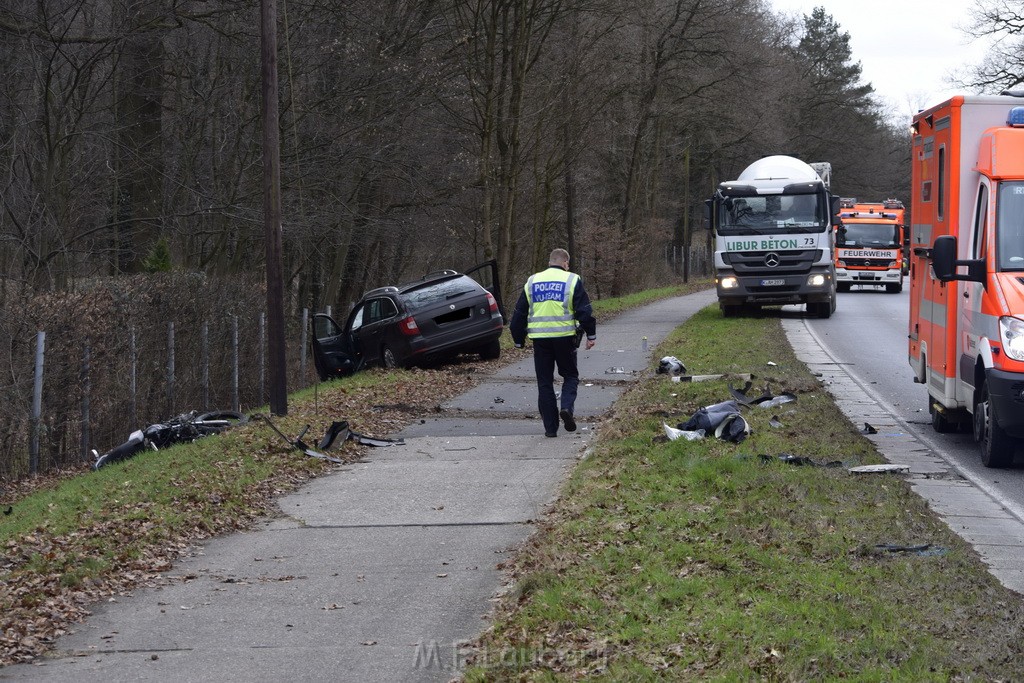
point(550, 295)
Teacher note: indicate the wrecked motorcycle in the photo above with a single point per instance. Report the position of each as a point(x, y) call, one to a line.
point(181, 429)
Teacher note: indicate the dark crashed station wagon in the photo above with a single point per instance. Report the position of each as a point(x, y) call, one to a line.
point(434, 318)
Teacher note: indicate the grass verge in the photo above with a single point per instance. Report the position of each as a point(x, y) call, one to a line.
point(701, 560)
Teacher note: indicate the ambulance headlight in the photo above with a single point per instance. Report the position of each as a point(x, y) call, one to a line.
point(729, 282)
point(816, 280)
point(1011, 331)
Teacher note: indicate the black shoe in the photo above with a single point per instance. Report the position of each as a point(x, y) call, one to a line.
point(551, 434)
point(568, 421)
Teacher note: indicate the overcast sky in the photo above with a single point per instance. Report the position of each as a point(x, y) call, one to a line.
point(905, 53)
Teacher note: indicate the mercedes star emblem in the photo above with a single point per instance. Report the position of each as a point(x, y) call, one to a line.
point(772, 259)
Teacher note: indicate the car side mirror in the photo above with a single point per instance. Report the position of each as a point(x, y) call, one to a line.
point(945, 262)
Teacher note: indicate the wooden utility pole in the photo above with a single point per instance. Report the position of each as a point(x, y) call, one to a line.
point(272, 212)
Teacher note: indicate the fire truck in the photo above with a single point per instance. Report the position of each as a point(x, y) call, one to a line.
point(774, 242)
point(967, 268)
point(869, 244)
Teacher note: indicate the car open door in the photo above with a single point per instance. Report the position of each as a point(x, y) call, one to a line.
point(487, 275)
point(332, 351)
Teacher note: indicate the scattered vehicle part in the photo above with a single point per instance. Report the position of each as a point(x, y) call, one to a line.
point(878, 469)
point(722, 419)
point(619, 370)
point(670, 365)
point(921, 549)
point(776, 401)
point(673, 434)
point(868, 429)
point(183, 428)
point(790, 459)
point(298, 443)
point(436, 317)
point(775, 422)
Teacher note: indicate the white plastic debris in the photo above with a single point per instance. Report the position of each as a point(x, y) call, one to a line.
point(672, 433)
point(875, 469)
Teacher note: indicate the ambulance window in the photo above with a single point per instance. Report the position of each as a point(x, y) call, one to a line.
point(939, 208)
point(1010, 226)
point(980, 222)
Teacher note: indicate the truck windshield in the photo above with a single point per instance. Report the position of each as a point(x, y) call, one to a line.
point(772, 214)
point(874, 235)
point(1010, 226)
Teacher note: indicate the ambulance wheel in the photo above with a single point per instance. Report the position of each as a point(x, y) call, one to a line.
point(995, 445)
point(940, 422)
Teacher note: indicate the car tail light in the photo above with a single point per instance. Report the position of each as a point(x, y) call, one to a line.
point(408, 326)
point(492, 302)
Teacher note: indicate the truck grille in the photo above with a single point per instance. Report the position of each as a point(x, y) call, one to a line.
point(790, 262)
point(867, 262)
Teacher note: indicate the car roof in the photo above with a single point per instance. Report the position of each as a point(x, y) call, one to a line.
point(428, 279)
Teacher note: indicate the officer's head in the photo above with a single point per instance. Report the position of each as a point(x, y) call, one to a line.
point(559, 257)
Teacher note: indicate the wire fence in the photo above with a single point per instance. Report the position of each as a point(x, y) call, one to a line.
point(96, 367)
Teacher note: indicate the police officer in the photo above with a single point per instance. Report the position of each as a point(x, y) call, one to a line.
point(547, 311)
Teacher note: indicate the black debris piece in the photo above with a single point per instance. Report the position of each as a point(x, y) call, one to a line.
point(790, 459)
point(341, 430)
point(868, 429)
point(926, 549)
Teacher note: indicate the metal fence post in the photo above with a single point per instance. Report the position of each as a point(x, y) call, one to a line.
point(37, 404)
point(263, 356)
point(234, 364)
point(205, 360)
point(170, 368)
point(86, 387)
point(133, 377)
point(302, 347)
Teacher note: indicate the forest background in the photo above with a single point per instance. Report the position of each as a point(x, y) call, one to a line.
point(416, 135)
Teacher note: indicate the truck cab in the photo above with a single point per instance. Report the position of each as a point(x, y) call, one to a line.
point(774, 242)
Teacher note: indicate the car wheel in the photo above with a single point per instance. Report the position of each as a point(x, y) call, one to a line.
point(491, 350)
point(995, 445)
point(388, 358)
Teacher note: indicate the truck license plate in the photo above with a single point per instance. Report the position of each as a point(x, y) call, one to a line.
point(775, 282)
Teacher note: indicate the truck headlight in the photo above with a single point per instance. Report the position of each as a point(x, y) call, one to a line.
point(1011, 331)
point(729, 282)
point(841, 264)
point(816, 280)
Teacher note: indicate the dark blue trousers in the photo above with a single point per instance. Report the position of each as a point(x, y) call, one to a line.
point(549, 352)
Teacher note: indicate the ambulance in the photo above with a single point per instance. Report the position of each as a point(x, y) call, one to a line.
point(869, 244)
point(966, 328)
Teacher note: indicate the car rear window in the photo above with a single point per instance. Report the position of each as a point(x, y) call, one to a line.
point(439, 292)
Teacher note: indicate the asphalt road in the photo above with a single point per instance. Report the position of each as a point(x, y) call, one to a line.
point(868, 334)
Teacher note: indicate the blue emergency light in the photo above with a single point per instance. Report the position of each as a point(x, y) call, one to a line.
point(1016, 117)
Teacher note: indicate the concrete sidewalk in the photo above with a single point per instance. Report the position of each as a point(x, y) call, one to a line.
point(377, 572)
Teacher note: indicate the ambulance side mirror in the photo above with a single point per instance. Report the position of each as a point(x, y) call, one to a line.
point(945, 262)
